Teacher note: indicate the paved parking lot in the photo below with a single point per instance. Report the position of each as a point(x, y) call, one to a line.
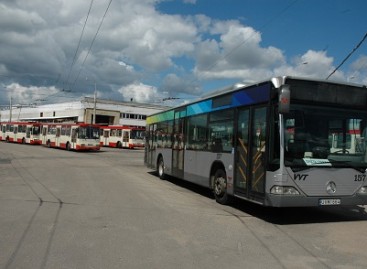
point(61, 209)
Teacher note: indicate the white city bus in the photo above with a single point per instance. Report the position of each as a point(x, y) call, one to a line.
point(284, 142)
point(117, 136)
point(21, 132)
point(74, 136)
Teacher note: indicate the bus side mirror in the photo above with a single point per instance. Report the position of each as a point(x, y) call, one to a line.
point(284, 99)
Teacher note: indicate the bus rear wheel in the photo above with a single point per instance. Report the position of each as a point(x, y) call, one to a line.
point(160, 168)
point(220, 187)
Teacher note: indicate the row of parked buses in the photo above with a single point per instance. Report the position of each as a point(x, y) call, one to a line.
point(72, 136)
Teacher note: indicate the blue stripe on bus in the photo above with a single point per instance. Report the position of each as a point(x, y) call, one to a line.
point(199, 108)
point(251, 96)
point(245, 97)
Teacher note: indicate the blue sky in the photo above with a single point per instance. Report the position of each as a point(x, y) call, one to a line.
point(294, 25)
point(151, 50)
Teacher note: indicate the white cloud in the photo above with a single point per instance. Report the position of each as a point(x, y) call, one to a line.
point(27, 95)
point(360, 64)
point(237, 54)
point(137, 42)
point(139, 92)
point(358, 70)
point(174, 84)
point(189, 1)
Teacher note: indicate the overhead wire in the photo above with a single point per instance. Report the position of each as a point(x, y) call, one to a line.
point(91, 45)
point(347, 57)
point(244, 41)
point(75, 54)
point(80, 39)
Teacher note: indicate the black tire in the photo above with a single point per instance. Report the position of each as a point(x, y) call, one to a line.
point(119, 145)
point(220, 187)
point(160, 168)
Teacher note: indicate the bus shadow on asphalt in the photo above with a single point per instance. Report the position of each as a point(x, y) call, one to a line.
point(302, 215)
point(280, 216)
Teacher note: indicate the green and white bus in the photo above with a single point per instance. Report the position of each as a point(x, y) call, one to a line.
point(284, 142)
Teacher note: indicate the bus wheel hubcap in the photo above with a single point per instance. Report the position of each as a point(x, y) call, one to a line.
point(161, 169)
point(219, 186)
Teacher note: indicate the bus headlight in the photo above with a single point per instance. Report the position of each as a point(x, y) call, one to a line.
point(362, 190)
point(284, 190)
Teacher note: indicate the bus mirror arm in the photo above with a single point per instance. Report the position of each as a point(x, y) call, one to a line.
point(284, 99)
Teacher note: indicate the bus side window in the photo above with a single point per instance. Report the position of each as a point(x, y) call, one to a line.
point(217, 145)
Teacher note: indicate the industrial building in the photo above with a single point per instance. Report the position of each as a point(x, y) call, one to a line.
point(87, 110)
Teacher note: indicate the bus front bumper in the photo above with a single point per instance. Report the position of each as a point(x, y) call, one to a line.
point(309, 201)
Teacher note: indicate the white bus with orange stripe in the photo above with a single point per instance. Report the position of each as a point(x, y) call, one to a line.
point(73, 136)
point(117, 136)
point(21, 132)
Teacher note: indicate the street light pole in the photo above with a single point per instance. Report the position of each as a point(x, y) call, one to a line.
point(10, 109)
point(95, 103)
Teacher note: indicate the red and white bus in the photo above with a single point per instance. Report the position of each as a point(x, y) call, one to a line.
point(21, 132)
point(118, 136)
point(73, 136)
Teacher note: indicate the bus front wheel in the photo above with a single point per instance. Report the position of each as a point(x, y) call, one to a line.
point(160, 168)
point(220, 187)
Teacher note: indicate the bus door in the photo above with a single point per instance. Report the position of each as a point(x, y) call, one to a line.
point(74, 136)
point(250, 159)
point(258, 153)
point(2, 131)
point(178, 147)
point(28, 132)
point(106, 135)
point(125, 138)
point(15, 132)
point(149, 146)
point(242, 152)
point(57, 139)
point(44, 135)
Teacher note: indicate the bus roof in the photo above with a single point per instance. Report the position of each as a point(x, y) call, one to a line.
point(262, 94)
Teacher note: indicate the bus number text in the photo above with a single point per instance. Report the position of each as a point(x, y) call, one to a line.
point(359, 177)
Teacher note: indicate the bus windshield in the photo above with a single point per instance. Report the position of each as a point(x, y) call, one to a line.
point(88, 132)
point(327, 137)
point(36, 130)
point(137, 134)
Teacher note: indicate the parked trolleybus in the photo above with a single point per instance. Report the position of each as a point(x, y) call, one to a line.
point(74, 136)
point(122, 137)
point(286, 142)
point(21, 132)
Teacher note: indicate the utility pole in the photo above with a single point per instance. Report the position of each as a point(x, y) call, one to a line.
point(95, 103)
point(10, 110)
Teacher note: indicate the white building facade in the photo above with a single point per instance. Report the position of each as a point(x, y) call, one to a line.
point(87, 110)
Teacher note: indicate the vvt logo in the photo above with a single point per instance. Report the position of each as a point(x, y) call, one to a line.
point(300, 177)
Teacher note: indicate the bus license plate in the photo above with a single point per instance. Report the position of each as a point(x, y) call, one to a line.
point(329, 202)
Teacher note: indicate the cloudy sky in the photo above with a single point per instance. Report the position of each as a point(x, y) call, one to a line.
point(154, 50)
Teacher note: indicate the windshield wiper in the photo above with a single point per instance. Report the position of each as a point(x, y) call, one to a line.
point(299, 166)
point(349, 163)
